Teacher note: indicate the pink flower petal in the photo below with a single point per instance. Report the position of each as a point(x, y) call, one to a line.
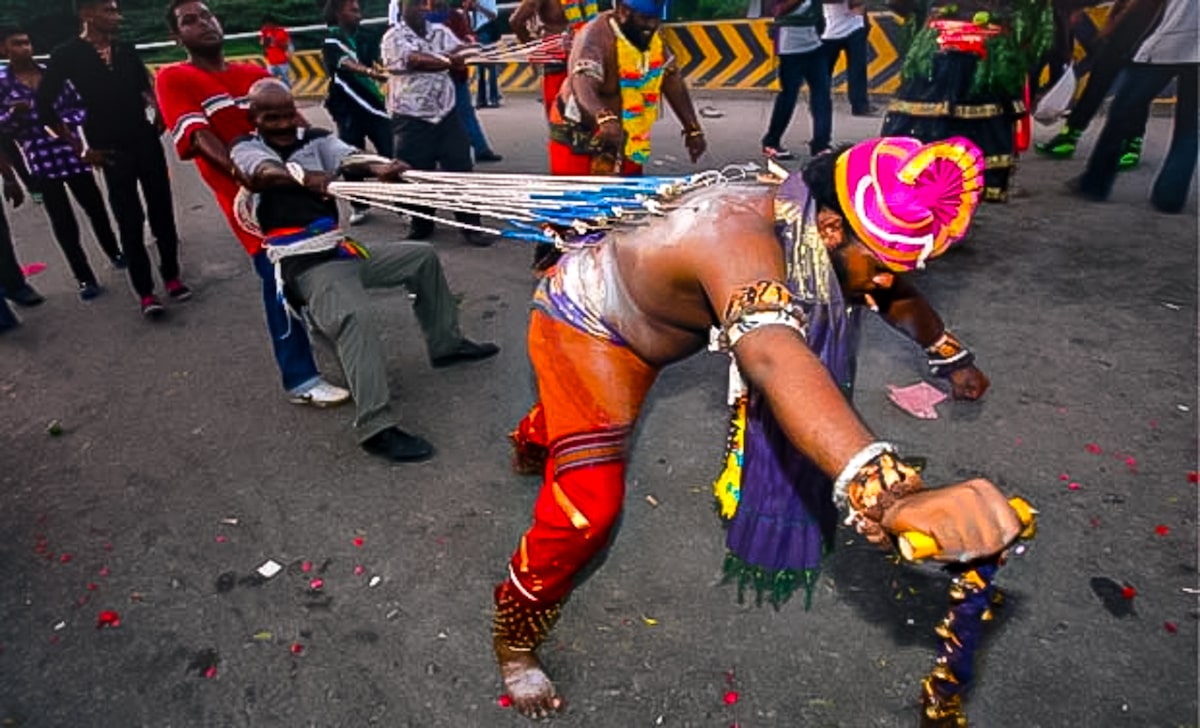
point(220, 538)
point(1093, 448)
point(358, 542)
point(306, 566)
point(32, 269)
point(316, 584)
point(1073, 486)
point(504, 701)
point(65, 558)
point(359, 570)
point(211, 672)
point(1064, 476)
point(731, 697)
point(1171, 627)
point(103, 571)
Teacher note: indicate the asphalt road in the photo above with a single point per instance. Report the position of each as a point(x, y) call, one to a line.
point(1084, 316)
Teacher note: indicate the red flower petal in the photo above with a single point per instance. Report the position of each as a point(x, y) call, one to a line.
point(316, 584)
point(1170, 627)
point(103, 571)
point(1193, 476)
point(504, 701)
point(359, 570)
point(65, 558)
point(92, 586)
point(108, 618)
point(306, 566)
point(296, 648)
point(1093, 448)
point(358, 541)
point(731, 697)
point(1129, 592)
point(1073, 486)
point(1162, 529)
point(1064, 476)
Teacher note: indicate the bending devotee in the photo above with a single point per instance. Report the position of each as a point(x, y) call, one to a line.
point(965, 73)
point(204, 102)
point(320, 268)
point(777, 502)
point(612, 314)
point(552, 17)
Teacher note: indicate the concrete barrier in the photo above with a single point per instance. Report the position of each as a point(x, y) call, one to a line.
point(732, 54)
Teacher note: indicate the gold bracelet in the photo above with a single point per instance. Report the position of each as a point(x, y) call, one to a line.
point(689, 133)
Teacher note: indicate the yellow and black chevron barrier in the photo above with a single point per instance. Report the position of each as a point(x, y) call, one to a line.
point(725, 54)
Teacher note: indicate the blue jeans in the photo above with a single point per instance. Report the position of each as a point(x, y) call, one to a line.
point(289, 338)
point(466, 112)
point(487, 79)
point(794, 69)
point(1127, 115)
point(281, 72)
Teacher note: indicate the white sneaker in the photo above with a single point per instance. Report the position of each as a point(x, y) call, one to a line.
point(358, 217)
point(321, 394)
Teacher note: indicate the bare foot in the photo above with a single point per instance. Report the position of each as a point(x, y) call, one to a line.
point(526, 683)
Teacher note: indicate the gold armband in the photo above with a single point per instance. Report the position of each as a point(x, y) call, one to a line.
point(766, 303)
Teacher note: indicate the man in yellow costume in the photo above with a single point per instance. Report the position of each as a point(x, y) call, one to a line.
point(618, 70)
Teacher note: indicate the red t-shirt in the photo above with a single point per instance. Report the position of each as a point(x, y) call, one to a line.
point(192, 99)
point(275, 41)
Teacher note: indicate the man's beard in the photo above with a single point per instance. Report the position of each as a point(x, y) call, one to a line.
point(639, 37)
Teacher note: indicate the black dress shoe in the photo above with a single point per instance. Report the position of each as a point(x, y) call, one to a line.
point(398, 446)
point(420, 229)
point(478, 239)
point(467, 351)
point(489, 156)
point(25, 296)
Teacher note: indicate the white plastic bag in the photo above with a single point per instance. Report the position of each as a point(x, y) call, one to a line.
point(1057, 101)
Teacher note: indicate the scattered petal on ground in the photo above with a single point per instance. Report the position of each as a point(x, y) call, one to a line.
point(918, 400)
point(1093, 448)
point(306, 566)
point(1162, 529)
point(358, 570)
point(504, 701)
point(1064, 476)
point(220, 538)
point(731, 697)
point(108, 618)
point(316, 584)
point(296, 648)
point(1073, 485)
point(1128, 592)
point(103, 571)
point(358, 542)
point(1112, 596)
point(1170, 627)
point(1193, 476)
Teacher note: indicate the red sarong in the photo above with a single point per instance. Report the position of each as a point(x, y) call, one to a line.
point(552, 81)
point(591, 392)
point(564, 162)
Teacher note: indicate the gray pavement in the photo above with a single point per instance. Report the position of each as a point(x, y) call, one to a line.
point(1084, 316)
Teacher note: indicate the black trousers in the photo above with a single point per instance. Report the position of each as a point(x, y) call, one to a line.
point(11, 277)
point(355, 127)
point(428, 146)
point(143, 163)
point(66, 229)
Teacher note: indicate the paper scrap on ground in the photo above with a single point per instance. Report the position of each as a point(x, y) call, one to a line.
point(919, 400)
point(269, 569)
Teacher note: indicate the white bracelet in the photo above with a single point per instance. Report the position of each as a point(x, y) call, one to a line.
point(861, 458)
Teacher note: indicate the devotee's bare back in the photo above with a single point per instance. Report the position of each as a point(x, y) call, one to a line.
point(667, 271)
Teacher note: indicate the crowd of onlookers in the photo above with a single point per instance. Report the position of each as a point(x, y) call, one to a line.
point(91, 109)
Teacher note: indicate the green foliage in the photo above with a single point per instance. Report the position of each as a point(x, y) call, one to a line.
point(707, 9)
point(51, 23)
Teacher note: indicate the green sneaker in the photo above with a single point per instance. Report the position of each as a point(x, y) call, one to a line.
point(1132, 154)
point(1062, 146)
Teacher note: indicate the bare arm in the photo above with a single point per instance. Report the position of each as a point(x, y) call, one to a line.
point(905, 309)
point(519, 20)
